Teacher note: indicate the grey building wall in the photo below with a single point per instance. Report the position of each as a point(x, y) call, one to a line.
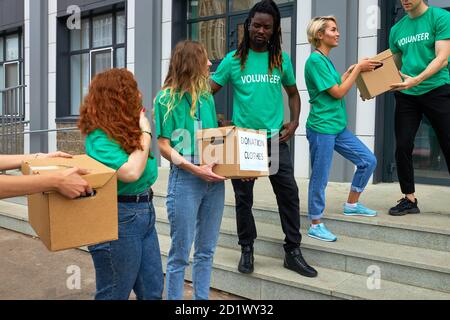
point(11, 14)
point(84, 5)
point(346, 12)
point(439, 3)
point(38, 74)
point(148, 51)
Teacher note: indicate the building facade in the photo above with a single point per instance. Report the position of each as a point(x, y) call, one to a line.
point(54, 47)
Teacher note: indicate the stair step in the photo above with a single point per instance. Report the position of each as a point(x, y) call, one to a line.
point(271, 281)
point(414, 266)
point(405, 265)
point(427, 230)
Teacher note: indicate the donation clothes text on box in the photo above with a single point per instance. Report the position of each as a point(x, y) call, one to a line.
point(253, 151)
point(238, 153)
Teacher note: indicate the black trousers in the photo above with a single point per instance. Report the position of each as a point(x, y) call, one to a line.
point(435, 105)
point(286, 191)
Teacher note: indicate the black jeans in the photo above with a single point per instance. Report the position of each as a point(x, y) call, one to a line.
point(435, 105)
point(286, 191)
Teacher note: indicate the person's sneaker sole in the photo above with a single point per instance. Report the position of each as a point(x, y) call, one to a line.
point(321, 239)
point(299, 272)
point(404, 213)
point(360, 215)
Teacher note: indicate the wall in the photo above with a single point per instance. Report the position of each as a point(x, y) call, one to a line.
point(166, 47)
point(11, 14)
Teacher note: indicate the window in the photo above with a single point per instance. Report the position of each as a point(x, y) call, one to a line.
point(98, 46)
point(240, 5)
point(206, 24)
point(10, 64)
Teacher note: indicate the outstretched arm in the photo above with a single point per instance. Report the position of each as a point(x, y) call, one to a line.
point(349, 78)
point(69, 183)
point(440, 62)
point(12, 162)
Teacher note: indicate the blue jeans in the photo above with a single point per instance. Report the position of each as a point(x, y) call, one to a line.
point(322, 147)
point(195, 210)
point(134, 261)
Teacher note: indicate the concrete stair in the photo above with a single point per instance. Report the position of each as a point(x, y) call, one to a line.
point(271, 281)
point(412, 253)
point(403, 264)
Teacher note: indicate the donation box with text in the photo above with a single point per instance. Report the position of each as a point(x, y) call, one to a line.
point(65, 224)
point(238, 153)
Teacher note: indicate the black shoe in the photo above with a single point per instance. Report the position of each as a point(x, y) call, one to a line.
point(246, 264)
point(294, 261)
point(404, 207)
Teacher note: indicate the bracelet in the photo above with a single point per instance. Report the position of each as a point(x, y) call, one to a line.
point(149, 133)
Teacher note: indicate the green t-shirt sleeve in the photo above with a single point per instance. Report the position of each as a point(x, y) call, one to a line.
point(223, 72)
point(288, 79)
point(443, 26)
point(392, 44)
point(164, 125)
point(108, 152)
point(320, 75)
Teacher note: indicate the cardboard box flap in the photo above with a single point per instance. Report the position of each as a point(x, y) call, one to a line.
point(383, 55)
point(207, 134)
point(99, 174)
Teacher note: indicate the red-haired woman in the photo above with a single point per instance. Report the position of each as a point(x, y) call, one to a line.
point(118, 135)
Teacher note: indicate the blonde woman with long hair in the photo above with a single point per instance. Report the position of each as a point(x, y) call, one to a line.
point(196, 195)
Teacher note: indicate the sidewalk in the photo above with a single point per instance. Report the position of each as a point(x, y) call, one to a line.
point(30, 272)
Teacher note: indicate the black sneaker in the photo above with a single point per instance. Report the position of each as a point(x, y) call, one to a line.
point(294, 261)
point(404, 207)
point(246, 264)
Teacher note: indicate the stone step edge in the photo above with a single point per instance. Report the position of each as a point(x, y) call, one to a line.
point(358, 220)
point(319, 246)
point(342, 289)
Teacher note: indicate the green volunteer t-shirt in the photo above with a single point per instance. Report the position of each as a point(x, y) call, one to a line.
point(179, 126)
point(415, 39)
point(105, 150)
point(328, 115)
point(258, 98)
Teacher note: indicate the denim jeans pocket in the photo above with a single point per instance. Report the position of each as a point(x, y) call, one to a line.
point(127, 213)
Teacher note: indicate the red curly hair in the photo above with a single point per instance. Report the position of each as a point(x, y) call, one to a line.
point(114, 104)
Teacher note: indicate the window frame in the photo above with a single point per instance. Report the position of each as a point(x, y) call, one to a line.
point(20, 61)
point(65, 54)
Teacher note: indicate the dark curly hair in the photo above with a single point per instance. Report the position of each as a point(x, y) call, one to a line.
point(114, 104)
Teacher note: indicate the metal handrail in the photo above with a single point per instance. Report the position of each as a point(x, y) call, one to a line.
point(41, 131)
point(12, 88)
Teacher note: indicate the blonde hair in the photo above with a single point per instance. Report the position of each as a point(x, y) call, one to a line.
point(316, 25)
point(186, 75)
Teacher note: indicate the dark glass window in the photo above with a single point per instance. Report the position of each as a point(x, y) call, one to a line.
point(98, 46)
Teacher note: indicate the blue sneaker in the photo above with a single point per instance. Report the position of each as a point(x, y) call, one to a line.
point(320, 232)
point(359, 210)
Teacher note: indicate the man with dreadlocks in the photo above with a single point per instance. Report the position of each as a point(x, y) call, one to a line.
point(257, 71)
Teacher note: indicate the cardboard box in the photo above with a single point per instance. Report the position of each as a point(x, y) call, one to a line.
point(239, 153)
point(379, 81)
point(65, 224)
